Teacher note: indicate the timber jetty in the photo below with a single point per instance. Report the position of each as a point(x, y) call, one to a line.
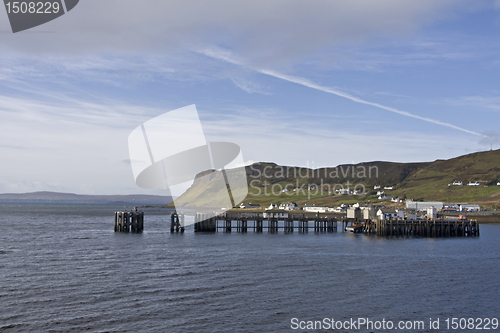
point(133, 221)
point(325, 223)
point(428, 228)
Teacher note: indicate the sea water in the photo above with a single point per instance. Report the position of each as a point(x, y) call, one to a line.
point(63, 269)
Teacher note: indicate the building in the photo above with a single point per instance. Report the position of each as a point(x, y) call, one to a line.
point(432, 213)
point(457, 183)
point(354, 213)
point(387, 213)
point(474, 184)
point(388, 188)
point(342, 191)
point(376, 187)
point(382, 197)
point(469, 208)
point(411, 215)
point(368, 213)
point(396, 200)
point(272, 206)
point(422, 206)
point(289, 206)
point(315, 209)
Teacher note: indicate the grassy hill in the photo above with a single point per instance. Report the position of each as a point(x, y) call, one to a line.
point(426, 181)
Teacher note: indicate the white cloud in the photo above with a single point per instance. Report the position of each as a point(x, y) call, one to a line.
point(248, 86)
point(287, 140)
point(67, 145)
point(265, 31)
point(226, 56)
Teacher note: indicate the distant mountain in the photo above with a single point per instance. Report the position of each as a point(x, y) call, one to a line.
point(55, 197)
point(418, 181)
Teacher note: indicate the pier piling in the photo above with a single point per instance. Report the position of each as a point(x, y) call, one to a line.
point(132, 221)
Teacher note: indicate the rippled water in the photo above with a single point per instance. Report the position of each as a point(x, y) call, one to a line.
point(62, 268)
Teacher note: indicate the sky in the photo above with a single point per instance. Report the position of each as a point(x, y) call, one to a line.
point(299, 83)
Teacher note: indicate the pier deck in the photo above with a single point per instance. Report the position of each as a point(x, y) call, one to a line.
point(327, 224)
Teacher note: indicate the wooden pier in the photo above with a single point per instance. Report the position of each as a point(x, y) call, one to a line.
point(428, 228)
point(258, 223)
point(242, 223)
point(132, 221)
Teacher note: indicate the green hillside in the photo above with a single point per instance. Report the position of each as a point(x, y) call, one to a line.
point(419, 181)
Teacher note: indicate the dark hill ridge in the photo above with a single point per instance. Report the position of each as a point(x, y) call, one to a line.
point(371, 173)
point(418, 181)
point(56, 197)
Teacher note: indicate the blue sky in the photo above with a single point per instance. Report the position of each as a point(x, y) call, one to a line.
point(292, 82)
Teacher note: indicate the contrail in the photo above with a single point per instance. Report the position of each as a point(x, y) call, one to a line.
point(227, 57)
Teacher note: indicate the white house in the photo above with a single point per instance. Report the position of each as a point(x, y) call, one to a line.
point(396, 200)
point(315, 209)
point(376, 187)
point(272, 206)
point(289, 206)
point(381, 193)
point(387, 213)
point(457, 183)
point(498, 184)
point(388, 188)
point(382, 197)
point(474, 184)
point(342, 191)
point(285, 190)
